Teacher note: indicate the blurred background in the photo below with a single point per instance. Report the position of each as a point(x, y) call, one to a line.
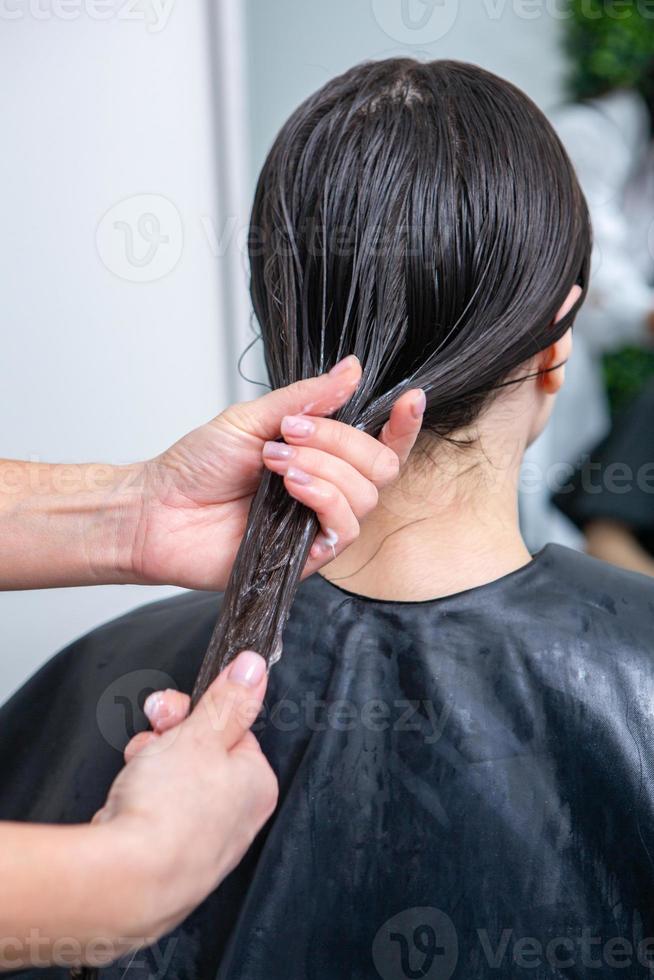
point(133, 134)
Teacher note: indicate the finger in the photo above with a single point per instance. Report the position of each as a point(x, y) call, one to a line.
point(233, 701)
point(320, 396)
point(338, 524)
point(258, 781)
point(404, 423)
point(138, 743)
point(165, 709)
point(252, 780)
point(360, 493)
point(376, 462)
point(249, 743)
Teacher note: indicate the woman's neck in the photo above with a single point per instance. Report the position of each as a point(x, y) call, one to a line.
point(443, 528)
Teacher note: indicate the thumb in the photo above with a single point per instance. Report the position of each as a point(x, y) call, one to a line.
point(233, 701)
point(313, 396)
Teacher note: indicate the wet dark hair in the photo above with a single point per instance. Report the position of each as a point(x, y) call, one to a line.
point(425, 217)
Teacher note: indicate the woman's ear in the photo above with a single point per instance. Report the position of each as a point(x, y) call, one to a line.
point(552, 363)
point(553, 358)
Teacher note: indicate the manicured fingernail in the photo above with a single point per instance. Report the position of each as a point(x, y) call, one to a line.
point(248, 669)
point(277, 450)
point(418, 405)
point(345, 365)
point(297, 476)
point(155, 708)
point(295, 425)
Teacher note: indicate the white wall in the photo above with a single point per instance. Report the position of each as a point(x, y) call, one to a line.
point(93, 366)
point(297, 45)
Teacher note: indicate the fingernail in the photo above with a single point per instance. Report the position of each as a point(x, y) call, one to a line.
point(418, 405)
point(248, 669)
point(277, 450)
point(346, 364)
point(295, 425)
point(155, 708)
point(297, 476)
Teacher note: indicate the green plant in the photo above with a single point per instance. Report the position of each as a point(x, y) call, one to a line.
point(610, 44)
point(625, 372)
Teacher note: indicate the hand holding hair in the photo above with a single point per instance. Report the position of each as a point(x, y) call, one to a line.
point(337, 470)
point(199, 492)
point(178, 519)
point(130, 876)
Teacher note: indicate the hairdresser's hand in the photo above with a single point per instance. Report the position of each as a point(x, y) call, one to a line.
point(178, 818)
point(179, 518)
point(194, 499)
point(192, 797)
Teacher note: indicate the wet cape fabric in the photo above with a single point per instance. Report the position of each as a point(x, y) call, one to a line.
point(466, 783)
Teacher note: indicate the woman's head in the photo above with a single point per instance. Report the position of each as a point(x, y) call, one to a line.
point(425, 217)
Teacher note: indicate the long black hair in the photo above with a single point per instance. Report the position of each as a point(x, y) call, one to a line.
point(425, 217)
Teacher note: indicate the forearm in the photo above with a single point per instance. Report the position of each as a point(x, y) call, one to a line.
point(66, 524)
point(68, 894)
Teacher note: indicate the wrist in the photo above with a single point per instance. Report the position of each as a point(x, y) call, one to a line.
point(72, 894)
point(97, 520)
point(64, 524)
point(114, 520)
point(129, 907)
point(148, 891)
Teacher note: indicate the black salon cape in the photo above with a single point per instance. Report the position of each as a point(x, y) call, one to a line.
point(466, 783)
